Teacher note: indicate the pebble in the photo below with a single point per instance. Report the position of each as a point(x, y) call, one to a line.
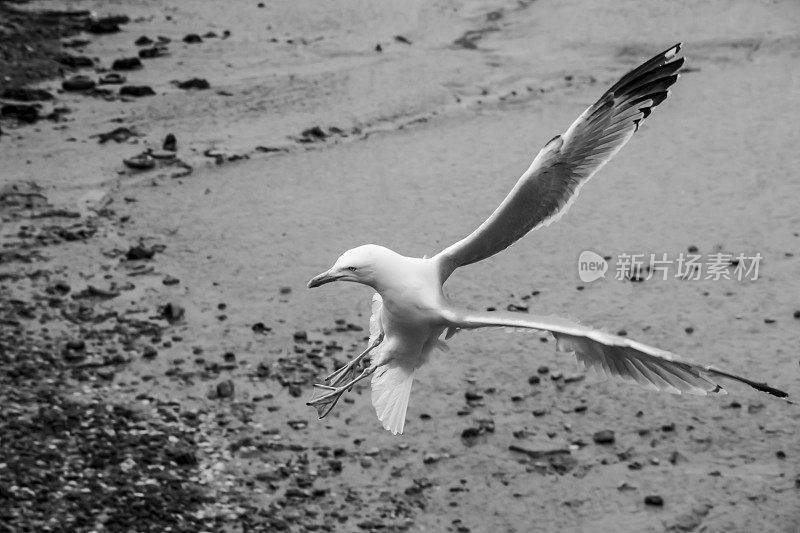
point(23, 112)
point(259, 327)
point(797, 314)
point(689, 330)
point(106, 25)
point(605, 436)
point(153, 52)
point(144, 40)
point(26, 94)
point(136, 90)
point(170, 143)
point(149, 352)
point(534, 380)
point(70, 60)
point(300, 335)
point(194, 83)
point(173, 312)
point(225, 389)
point(431, 458)
point(112, 78)
point(192, 38)
point(692, 249)
point(78, 83)
point(127, 63)
point(543, 370)
point(654, 499)
point(170, 280)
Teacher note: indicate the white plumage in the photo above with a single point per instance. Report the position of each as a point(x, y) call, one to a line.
point(410, 312)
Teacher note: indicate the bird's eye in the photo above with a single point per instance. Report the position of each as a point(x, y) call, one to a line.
point(351, 269)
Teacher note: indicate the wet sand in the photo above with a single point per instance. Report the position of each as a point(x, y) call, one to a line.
point(433, 134)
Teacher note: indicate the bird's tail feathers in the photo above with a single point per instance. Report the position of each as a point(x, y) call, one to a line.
point(391, 388)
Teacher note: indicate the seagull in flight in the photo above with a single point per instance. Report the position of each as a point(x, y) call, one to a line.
point(410, 312)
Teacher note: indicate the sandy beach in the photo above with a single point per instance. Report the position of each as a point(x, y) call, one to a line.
point(174, 298)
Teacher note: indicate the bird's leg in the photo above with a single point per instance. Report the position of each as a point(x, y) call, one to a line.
point(349, 370)
point(325, 396)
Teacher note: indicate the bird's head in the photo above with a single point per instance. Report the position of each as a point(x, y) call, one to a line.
point(359, 264)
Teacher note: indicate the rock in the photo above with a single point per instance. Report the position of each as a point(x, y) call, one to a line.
point(285, 290)
point(70, 60)
point(155, 51)
point(689, 330)
point(797, 314)
point(470, 436)
point(192, 38)
point(144, 40)
point(300, 335)
point(126, 63)
point(139, 252)
point(401, 39)
point(225, 389)
point(378, 48)
point(769, 321)
point(297, 424)
point(516, 308)
point(170, 143)
point(136, 90)
point(112, 78)
point(654, 500)
point(193, 83)
point(173, 312)
point(534, 380)
point(473, 396)
point(78, 83)
point(431, 458)
point(539, 412)
point(140, 162)
point(22, 112)
point(106, 25)
point(149, 352)
point(118, 135)
point(259, 327)
point(692, 249)
point(605, 436)
point(170, 280)
point(25, 94)
point(543, 370)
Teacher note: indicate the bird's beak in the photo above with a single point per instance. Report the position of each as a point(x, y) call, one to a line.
point(322, 279)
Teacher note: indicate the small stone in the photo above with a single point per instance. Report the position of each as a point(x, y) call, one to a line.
point(300, 335)
point(689, 330)
point(654, 499)
point(605, 436)
point(797, 314)
point(769, 321)
point(431, 458)
point(112, 78)
point(136, 90)
point(74, 61)
point(622, 333)
point(106, 25)
point(22, 112)
point(692, 249)
point(543, 370)
point(538, 412)
point(225, 389)
point(780, 454)
point(143, 41)
point(260, 328)
point(378, 48)
point(78, 83)
point(139, 252)
point(298, 425)
point(194, 83)
point(192, 38)
point(170, 280)
point(153, 52)
point(170, 143)
point(534, 380)
point(126, 63)
point(229, 357)
point(473, 396)
point(149, 352)
point(26, 94)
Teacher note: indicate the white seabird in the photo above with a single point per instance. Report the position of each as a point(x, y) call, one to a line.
point(410, 312)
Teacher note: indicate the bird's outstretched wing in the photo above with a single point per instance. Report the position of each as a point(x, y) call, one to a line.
point(552, 182)
point(613, 355)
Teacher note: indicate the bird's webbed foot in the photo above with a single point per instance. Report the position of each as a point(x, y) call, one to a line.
point(350, 370)
point(325, 397)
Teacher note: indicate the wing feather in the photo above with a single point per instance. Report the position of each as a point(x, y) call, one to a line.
point(613, 355)
point(552, 182)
